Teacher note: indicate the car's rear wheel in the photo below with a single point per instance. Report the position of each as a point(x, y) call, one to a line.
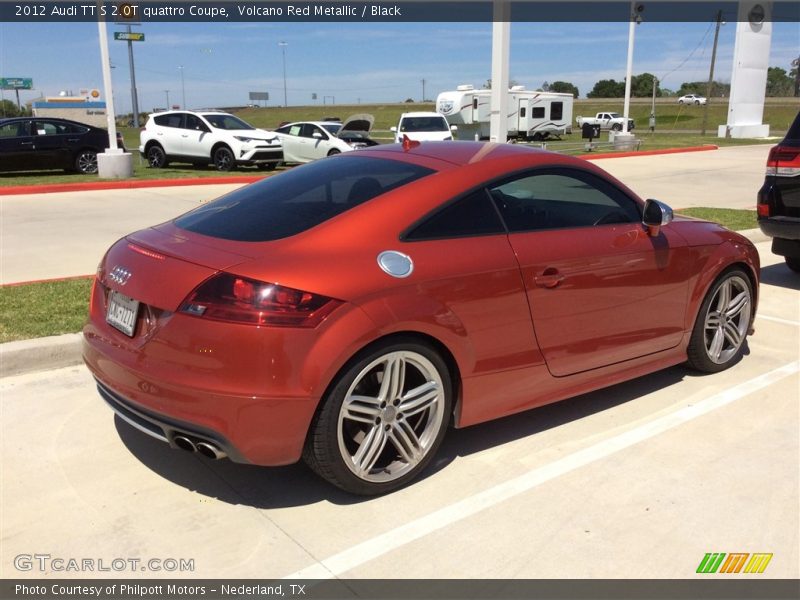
point(223, 159)
point(383, 419)
point(156, 157)
point(793, 263)
point(334, 152)
point(722, 324)
point(86, 162)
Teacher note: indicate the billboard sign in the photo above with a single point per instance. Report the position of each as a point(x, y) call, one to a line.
point(16, 83)
point(259, 96)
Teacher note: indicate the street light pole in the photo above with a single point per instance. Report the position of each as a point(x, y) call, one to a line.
point(635, 19)
point(167, 93)
point(183, 89)
point(283, 51)
point(711, 74)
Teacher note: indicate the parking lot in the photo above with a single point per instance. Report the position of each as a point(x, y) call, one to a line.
point(639, 480)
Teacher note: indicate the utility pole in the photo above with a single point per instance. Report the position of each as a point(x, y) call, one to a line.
point(283, 50)
point(653, 105)
point(423, 90)
point(167, 93)
point(711, 73)
point(183, 88)
point(134, 95)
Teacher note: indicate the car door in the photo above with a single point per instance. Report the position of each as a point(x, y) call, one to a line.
point(196, 137)
point(16, 146)
point(169, 132)
point(600, 289)
point(52, 144)
point(316, 142)
point(291, 141)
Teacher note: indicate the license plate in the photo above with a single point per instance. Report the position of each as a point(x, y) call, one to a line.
point(122, 312)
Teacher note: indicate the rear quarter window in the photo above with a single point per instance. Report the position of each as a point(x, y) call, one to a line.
point(297, 200)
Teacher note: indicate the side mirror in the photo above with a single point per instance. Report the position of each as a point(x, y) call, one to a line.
point(317, 135)
point(656, 214)
point(453, 127)
point(393, 129)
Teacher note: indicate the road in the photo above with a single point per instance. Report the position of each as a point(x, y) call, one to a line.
point(45, 236)
point(640, 480)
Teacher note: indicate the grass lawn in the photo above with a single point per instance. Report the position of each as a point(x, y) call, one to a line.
point(41, 309)
point(52, 308)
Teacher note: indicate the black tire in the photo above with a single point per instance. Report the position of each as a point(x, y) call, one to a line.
point(156, 157)
point(361, 424)
point(697, 102)
point(793, 262)
point(720, 330)
point(616, 127)
point(223, 159)
point(86, 161)
point(334, 152)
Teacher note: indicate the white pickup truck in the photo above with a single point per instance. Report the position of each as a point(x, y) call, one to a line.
point(606, 120)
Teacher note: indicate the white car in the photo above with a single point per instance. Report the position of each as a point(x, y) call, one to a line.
point(692, 99)
point(218, 138)
point(423, 127)
point(310, 140)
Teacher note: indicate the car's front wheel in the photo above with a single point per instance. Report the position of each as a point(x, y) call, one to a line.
point(383, 419)
point(156, 157)
point(616, 127)
point(223, 159)
point(722, 324)
point(697, 102)
point(86, 162)
point(334, 152)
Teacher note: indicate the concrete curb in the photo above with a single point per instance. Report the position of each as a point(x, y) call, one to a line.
point(26, 356)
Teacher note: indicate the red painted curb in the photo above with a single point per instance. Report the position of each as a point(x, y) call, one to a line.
point(54, 279)
point(122, 185)
point(650, 152)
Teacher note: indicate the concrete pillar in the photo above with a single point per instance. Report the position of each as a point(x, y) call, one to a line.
point(501, 36)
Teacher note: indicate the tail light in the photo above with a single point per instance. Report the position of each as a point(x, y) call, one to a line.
point(226, 297)
point(784, 161)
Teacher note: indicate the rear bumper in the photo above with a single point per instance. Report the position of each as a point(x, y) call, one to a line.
point(787, 228)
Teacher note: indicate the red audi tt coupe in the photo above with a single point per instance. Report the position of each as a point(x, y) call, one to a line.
point(350, 310)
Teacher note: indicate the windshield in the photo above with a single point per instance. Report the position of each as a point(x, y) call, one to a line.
point(297, 200)
point(227, 122)
point(333, 128)
point(424, 124)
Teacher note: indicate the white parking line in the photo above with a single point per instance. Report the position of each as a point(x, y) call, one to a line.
point(386, 542)
point(779, 320)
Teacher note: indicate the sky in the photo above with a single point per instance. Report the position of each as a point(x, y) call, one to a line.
point(357, 62)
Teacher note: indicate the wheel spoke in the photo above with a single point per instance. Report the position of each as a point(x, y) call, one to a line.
point(370, 450)
point(737, 305)
point(405, 440)
point(419, 399)
point(732, 334)
point(394, 374)
point(712, 320)
point(724, 297)
point(716, 344)
point(364, 409)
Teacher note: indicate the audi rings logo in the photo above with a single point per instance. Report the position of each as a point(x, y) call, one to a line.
point(119, 275)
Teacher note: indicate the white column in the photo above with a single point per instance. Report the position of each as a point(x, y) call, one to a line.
point(107, 88)
point(501, 36)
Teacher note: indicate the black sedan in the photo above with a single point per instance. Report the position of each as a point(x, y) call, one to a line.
point(33, 143)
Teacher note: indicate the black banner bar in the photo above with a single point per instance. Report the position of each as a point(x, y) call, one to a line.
point(715, 587)
point(556, 11)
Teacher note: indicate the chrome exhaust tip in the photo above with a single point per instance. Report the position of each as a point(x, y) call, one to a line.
point(210, 451)
point(184, 443)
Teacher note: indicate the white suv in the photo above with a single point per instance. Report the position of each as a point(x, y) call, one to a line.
point(207, 137)
point(423, 127)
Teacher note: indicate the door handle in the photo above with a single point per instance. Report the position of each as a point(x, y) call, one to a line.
point(72, 140)
point(184, 135)
point(26, 143)
point(549, 278)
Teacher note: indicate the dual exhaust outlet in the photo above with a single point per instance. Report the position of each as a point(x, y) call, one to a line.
point(207, 449)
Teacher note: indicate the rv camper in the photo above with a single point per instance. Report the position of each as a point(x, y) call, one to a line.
point(532, 115)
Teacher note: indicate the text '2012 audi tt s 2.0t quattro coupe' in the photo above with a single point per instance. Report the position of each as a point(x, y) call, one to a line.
point(349, 311)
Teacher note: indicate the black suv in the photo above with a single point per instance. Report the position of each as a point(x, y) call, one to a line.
point(779, 198)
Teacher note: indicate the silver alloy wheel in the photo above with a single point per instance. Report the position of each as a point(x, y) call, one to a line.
point(156, 157)
point(223, 159)
point(87, 162)
point(391, 416)
point(727, 319)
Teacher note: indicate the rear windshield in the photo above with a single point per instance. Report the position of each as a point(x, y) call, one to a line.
point(299, 199)
point(793, 134)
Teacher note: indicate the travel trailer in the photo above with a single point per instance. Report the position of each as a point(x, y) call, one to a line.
point(533, 116)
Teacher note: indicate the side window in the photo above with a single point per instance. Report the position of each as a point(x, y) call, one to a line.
point(45, 128)
point(10, 130)
point(194, 123)
point(471, 215)
point(562, 198)
point(557, 111)
point(475, 103)
point(537, 112)
point(170, 120)
point(522, 111)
